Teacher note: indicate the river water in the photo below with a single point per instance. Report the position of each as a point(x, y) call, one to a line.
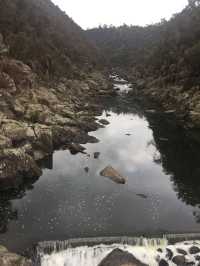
point(72, 200)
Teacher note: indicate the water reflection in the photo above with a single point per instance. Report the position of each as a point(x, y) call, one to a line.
point(161, 164)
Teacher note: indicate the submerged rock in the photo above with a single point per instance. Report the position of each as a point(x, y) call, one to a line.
point(96, 155)
point(120, 258)
point(111, 173)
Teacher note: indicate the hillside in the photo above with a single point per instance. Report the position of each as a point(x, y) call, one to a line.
point(48, 86)
point(42, 36)
point(169, 50)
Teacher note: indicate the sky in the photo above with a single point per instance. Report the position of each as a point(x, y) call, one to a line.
point(92, 13)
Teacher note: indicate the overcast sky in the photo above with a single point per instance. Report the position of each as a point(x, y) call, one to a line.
point(92, 13)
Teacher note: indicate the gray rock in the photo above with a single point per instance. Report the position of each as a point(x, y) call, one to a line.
point(96, 155)
point(76, 148)
point(163, 262)
point(104, 122)
point(179, 260)
point(169, 253)
point(86, 169)
point(181, 251)
point(111, 173)
point(120, 258)
point(194, 250)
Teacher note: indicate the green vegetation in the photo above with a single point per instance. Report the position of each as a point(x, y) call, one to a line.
point(169, 50)
point(41, 35)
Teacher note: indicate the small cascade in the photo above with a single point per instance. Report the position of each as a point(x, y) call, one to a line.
point(91, 252)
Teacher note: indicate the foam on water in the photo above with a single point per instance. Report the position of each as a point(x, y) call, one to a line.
point(143, 249)
point(92, 256)
point(76, 252)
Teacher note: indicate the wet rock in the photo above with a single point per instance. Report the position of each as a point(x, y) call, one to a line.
point(194, 250)
point(197, 257)
point(11, 259)
point(128, 134)
point(181, 251)
point(76, 148)
point(96, 155)
point(163, 262)
point(86, 169)
point(111, 173)
point(120, 258)
point(190, 263)
point(142, 196)
point(104, 122)
point(16, 163)
point(169, 254)
point(62, 135)
point(179, 260)
point(43, 138)
point(160, 250)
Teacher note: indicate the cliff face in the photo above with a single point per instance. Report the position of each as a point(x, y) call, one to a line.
point(42, 36)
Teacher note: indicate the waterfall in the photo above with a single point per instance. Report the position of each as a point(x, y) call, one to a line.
point(91, 252)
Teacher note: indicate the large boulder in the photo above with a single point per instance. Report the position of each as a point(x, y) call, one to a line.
point(115, 176)
point(120, 258)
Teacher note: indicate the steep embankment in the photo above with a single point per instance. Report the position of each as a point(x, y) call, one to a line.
point(41, 35)
point(47, 88)
point(162, 60)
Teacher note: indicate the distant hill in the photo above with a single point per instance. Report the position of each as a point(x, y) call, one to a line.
point(41, 35)
point(169, 50)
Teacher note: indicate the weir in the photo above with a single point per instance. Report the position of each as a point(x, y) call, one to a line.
point(91, 251)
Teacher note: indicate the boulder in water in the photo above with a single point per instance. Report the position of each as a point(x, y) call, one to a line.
point(104, 122)
point(111, 173)
point(96, 155)
point(194, 250)
point(120, 258)
point(179, 260)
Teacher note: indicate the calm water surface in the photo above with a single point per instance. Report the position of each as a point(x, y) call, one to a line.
point(162, 193)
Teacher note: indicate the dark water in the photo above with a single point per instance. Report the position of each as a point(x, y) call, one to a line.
point(162, 193)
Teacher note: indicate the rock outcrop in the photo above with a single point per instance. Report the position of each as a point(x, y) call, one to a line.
point(11, 259)
point(36, 117)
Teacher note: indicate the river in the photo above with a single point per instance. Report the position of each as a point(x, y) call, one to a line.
point(72, 200)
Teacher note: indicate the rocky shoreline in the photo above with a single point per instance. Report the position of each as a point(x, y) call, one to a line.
point(173, 99)
point(37, 118)
point(11, 259)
